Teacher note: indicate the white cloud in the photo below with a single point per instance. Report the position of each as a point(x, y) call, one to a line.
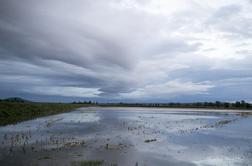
point(170, 89)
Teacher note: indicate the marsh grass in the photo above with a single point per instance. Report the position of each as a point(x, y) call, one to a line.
point(150, 140)
point(223, 122)
point(45, 158)
point(13, 112)
point(87, 163)
point(220, 123)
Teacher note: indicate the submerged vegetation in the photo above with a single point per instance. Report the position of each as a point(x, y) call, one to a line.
point(150, 140)
point(87, 163)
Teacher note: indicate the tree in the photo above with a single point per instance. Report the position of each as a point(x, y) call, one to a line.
point(237, 104)
point(218, 103)
point(243, 103)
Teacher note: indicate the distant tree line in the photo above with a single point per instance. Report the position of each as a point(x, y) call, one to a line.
point(85, 102)
point(218, 104)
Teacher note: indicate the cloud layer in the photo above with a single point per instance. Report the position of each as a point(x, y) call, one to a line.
point(126, 50)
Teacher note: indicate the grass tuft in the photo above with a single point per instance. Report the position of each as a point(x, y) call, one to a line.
point(87, 163)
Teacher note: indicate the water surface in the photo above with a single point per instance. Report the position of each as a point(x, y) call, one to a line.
point(130, 136)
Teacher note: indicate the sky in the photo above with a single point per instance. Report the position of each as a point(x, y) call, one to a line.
point(126, 50)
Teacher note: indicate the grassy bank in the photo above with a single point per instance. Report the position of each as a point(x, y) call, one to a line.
point(13, 112)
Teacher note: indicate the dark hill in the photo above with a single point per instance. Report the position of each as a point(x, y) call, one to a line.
point(16, 99)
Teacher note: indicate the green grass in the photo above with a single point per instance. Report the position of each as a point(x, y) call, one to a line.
point(13, 112)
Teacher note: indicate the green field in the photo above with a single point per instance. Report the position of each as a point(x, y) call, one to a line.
point(13, 112)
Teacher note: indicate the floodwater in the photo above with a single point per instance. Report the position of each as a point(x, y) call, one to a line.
point(130, 137)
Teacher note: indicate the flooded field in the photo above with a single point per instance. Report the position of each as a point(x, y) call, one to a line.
point(130, 137)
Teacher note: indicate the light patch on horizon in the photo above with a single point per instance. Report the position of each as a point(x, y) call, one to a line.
point(170, 89)
point(128, 50)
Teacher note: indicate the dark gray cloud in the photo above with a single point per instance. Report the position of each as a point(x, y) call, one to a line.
point(32, 35)
point(68, 44)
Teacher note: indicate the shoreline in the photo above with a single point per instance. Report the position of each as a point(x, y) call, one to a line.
point(14, 112)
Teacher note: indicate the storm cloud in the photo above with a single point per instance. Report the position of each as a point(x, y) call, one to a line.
point(126, 50)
